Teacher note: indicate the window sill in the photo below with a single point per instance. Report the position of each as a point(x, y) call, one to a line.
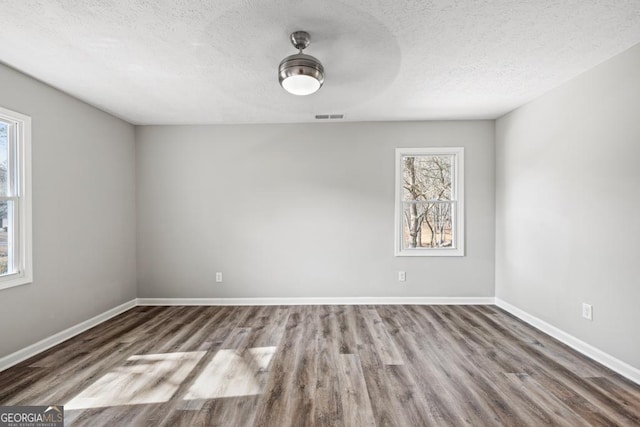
point(14, 280)
point(430, 252)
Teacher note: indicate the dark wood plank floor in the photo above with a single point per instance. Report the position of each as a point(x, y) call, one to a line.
point(321, 365)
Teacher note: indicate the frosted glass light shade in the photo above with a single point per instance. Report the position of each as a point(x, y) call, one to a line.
point(301, 84)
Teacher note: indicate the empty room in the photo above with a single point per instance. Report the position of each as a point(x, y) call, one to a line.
point(297, 213)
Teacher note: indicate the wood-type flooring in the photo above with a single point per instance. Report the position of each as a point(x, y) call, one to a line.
point(384, 365)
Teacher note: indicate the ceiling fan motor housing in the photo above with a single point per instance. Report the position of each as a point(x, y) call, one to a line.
point(301, 63)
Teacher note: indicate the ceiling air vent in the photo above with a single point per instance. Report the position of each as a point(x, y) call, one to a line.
point(329, 116)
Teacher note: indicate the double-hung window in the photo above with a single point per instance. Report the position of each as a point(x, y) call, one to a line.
point(430, 201)
point(15, 199)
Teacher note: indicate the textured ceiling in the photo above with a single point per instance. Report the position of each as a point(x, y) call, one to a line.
point(215, 61)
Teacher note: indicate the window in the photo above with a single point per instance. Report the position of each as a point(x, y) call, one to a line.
point(15, 199)
point(430, 201)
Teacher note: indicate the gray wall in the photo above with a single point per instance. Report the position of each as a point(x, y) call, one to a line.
point(83, 214)
point(299, 211)
point(568, 206)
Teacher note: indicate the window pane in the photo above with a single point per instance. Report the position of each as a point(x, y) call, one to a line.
point(4, 155)
point(6, 236)
point(428, 225)
point(427, 177)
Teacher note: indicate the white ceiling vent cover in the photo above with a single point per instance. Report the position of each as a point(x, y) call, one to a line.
point(329, 116)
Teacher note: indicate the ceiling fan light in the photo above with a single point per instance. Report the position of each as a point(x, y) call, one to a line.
point(301, 84)
point(300, 74)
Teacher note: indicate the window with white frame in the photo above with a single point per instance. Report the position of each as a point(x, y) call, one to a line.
point(15, 199)
point(430, 201)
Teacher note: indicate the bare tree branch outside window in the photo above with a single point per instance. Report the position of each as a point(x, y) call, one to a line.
point(427, 203)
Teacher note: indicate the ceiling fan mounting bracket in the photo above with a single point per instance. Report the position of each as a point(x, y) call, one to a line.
point(300, 39)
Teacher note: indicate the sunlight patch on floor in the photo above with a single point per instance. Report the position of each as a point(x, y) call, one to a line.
point(232, 373)
point(148, 378)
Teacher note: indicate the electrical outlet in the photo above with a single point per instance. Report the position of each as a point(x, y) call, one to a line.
point(587, 311)
point(402, 276)
point(219, 277)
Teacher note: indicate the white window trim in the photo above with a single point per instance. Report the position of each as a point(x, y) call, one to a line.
point(458, 191)
point(24, 274)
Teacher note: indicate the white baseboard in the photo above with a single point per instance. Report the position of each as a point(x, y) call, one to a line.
point(321, 301)
point(32, 350)
point(588, 350)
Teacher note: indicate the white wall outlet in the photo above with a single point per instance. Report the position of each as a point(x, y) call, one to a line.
point(587, 311)
point(402, 276)
point(219, 276)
